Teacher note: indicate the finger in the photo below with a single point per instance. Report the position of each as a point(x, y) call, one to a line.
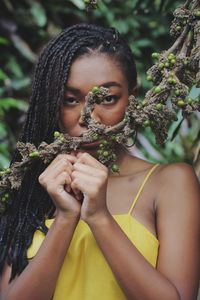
point(87, 169)
point(61, 180)
point(71, 158)
point(85, 183)
point(54, 170)
point(86, 158)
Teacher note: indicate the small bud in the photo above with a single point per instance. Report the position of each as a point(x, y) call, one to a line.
point(115, 168)
point(56, 134)
point(180, 103)
point(197, 13)
point(167, 65)
point(177, 92)
point(105, 153)
point(189, 100)
point(178, 28)
point(105, 143)
point(114, 156)
point(157, 89)
point(171, 56)
point(155, 55)
point(159, 106)
point(149, 78)
point(146, 123)
point(161, 66)
point(95, 137)
point(95, 89)
point(173, 61)
point(99, 152)
point(34, 154)
point(144, 103)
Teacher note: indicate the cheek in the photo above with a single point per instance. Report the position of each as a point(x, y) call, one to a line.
point(67, 119)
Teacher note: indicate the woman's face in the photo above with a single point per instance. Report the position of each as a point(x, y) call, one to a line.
point(85, 73)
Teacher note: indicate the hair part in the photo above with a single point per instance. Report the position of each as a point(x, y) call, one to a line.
point(31, 205)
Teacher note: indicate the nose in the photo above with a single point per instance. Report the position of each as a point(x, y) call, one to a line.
point(94, 115)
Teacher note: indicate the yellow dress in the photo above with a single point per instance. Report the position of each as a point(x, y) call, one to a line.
point(85, 273)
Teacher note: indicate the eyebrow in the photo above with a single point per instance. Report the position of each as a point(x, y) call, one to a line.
point(106, 85)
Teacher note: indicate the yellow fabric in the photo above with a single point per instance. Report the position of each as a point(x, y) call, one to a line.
point(85, 274)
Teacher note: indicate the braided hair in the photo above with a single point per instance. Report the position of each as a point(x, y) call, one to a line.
point(31, 204)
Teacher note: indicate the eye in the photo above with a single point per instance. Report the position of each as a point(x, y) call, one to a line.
point(110, 99)
point(70, 101)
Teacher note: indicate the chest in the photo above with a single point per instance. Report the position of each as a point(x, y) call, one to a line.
point(121, 194)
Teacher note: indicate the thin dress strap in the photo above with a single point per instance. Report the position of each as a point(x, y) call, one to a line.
point(142, 186)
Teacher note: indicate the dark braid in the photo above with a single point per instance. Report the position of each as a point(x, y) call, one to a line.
point(31, 205)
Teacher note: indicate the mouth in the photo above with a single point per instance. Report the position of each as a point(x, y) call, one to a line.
point(91, 145)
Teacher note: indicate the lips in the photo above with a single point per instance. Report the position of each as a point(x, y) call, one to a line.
point(91, 145)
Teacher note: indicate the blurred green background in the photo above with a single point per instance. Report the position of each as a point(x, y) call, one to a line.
point(27, 25)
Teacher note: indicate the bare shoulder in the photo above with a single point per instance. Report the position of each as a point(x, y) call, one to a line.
point(177, 178)
point(178, 226)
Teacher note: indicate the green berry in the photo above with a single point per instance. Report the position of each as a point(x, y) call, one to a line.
point(170, 80)
point(149, 78)
point(96, 89)
point(157, 89)
point(7, 195)
point(159, 106)
point(144, 103)
point(167, 65)
point(115, 168)
point(105, 153)
point(173, 61)
point(161, 66)
point(114, 156)
point(105, 143)
point(197, 14)
point(56, 134)
point(177, 92)
point(87, 1)
point(185, 62)
point(146, 123)
point(61, 140)
point(95, 137)
point(178, 28)
point(7, 170)
point(180, 103)
point(99, 152)
point(34, 154)
point(2, 173)
point(155, 55)
point(189, 100)
point(113, 138)
point(101, 146)
point(171, 56)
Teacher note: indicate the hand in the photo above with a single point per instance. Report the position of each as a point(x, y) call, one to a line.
point(56, 179)
point(91, 178)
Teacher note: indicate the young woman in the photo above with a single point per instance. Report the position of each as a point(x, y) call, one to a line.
point(132, 235)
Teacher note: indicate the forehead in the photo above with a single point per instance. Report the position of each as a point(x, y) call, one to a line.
point(94, 70)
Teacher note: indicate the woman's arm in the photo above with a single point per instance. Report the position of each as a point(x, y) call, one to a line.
point(178, 210)
point(38, 280)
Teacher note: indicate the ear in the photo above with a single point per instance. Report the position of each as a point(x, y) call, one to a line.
point(134, 91)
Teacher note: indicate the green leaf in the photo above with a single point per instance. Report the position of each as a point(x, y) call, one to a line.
point(8, 103)
point(38, 14)
point(4, 41)
point(3, 75)
point(79, 3)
